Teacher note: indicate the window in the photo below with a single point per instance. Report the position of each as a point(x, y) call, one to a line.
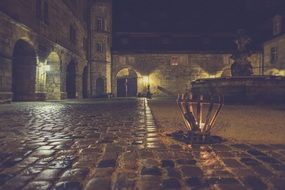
point(174, 61)
point(72, 34)
point(273, 56)
point(99, 47)
point(42, 11)
point(100, 24)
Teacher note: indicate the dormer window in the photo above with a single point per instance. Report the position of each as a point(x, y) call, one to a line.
point(277, 25)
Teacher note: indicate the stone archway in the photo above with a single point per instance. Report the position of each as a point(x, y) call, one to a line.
point(127, 83)
point(24, 71)
point(85, 82)
point(71, 80)
point(53, 81)
point(100, 87)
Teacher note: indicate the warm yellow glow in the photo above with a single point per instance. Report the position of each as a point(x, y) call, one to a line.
point(41, 77)
point(146, 79)
point(275, 72)
point(47, 68)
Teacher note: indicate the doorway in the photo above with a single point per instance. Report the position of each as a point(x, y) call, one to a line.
point(127, 83)
point(23, 71)
point(71, 80)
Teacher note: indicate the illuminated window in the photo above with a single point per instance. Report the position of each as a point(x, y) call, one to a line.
point(274, 55)
point(99, 47)
point(174, 61)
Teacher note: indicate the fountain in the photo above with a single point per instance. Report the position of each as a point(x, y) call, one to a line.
point(243, 87)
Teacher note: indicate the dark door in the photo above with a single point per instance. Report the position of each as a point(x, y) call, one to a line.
point(85, 83)
point(71, 81)
point(127, 87)
point(100, 86)
point(23, 72)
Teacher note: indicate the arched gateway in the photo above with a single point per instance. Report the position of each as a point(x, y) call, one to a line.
point(127, 83)
point(24, 71)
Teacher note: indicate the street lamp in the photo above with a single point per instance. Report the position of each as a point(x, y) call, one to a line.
point(47, 68)
point(147, 84)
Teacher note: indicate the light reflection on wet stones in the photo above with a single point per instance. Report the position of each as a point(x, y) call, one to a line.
point(39, 185)
point(48, 174)
point(133, 143)
point(68, 185)
point(60, 164)
point(32, 170)
point(78, 173)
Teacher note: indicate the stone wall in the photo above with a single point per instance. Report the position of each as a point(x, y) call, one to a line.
point(168, 73)
point(19, 22)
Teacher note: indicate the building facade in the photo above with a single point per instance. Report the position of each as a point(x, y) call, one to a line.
point(42, 49)
point(274, 48)
point(166, 63)
point(101, 42)
point(57, 49)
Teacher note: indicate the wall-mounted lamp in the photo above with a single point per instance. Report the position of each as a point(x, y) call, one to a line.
point(47, 68)
point(146, 80)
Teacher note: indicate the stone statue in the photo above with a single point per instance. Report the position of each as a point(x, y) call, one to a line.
point(241, 65)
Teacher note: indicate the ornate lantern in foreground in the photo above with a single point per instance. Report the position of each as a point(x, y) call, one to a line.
point(199, 115)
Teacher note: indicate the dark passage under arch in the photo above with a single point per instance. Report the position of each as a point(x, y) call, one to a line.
point(71, 80)
point(23, 71)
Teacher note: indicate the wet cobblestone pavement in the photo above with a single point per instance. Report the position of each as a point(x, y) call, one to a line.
point(116, 145)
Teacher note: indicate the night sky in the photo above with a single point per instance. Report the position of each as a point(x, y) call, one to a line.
point(195, 16)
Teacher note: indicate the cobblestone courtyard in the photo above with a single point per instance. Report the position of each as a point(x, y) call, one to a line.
point(116, 145)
